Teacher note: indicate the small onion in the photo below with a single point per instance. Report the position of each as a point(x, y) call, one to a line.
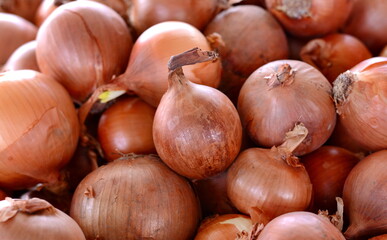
point(334, 54)
point(359, 95)
point(135, 198)
point(300, 225)
point(279, 95)
point(23, 57)
point(82, 45)
point(364, 195)
point(307, 18)
point(39, 129)
point(196, 130)
point(36, 219)
point(126, 127)
point(25, 9)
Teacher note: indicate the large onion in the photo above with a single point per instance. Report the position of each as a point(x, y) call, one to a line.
point(282, 93)
point(39, 129)
point(364, 195)
point(24, 57)
point(135, 198)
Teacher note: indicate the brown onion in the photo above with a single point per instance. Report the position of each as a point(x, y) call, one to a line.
point(367, 22)
point(300, 225)
point(259, 41)
point(196, 130)
point(328, 167)
point(307, 18)
point(282, 93)
point(365, 194)
point(135, 198)
point(334, 54)
point(23, 8)
point(39, 129)
point(82, 45)
point(15, 31)
point(271, 181)
point(36, 219)
point(126, 127)
point(223, 227)
point(24, 57)
point(360, 95)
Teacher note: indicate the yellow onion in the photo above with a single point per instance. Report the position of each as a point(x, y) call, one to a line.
point(364, 196)
point(126, 127)
point(36, 219)
point(82, 45)
point(24, 57)
point(15, 31)
point(25, 9)
point(39, 129)
point(120, 6)
point(196, 130)
point(136, 197)
point(359, 95)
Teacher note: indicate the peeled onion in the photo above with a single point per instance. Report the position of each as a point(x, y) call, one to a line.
point(24, 57)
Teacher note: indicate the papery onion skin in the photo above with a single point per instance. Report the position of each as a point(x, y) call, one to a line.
point(334, 54)
point(259, 41)
point(36, 219)
point(282, 93)
point(306, 18)
point(137, 198)
point(223, 227)
point(126, 127)
point(300, 226)
point(93, 44)
point(364, 196)
point(39, 129)
point(328, 167)
point(360, 95)
point(22, 8)
point(24, 57)
point(15, 31)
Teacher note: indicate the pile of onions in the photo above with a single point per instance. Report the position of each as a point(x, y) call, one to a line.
point(224, 227)
point(22, 8)
point(270, 181)
point(36, 219)
point(328, 167)
point(359, 96)
point(306, 18)
point(136, 197)
point(15, 31)
point(82, 45)
point(39, 129)
point(196, 130)
point(365, 194)
point(126, 127)
point(334, 54)
point(300, 225)
point(260, 41)
point(24, 57)
point(279, 95)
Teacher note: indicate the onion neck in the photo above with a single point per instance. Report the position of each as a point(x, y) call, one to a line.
point(342, 87)
point(10, 207)
point(296, 9)
point(284, 76)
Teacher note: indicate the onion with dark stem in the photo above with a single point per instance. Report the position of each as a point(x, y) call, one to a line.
point(24, 57)
point(196, 130)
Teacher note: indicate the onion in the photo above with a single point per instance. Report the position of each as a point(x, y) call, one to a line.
point(282, 93)
point(359, 96)
point(300, 225)
point(271, 181)
point(365, 194)
point(334, 54)
point(25, 9)
point(3, 195)
point(196, 130)
point(263, 41)
point(136, 198)
point(120, 6)
point(328, 167)
point(306, 18)
point(383, 53)
point(127, 127)
point(93, 43)
point(36, 219)
point(15, 31)
point(45, 8)
point(381, 237)
point(295, 46)
point(224, 227)
point(39, 129)
point(367, 22)
point(24, 57)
